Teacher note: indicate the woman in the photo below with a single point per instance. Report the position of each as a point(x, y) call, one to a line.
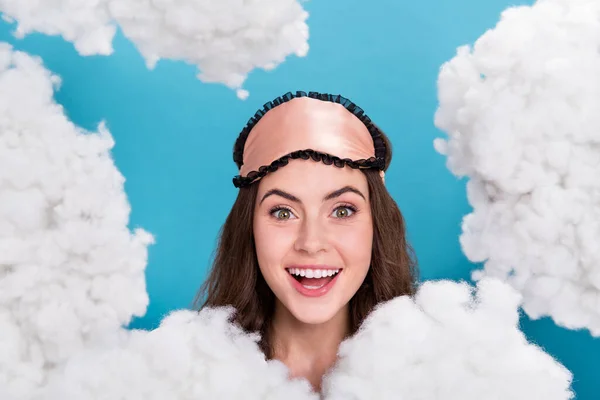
point(314, 241)
point(308, 251)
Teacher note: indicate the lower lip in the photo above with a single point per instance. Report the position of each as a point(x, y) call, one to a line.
point(313, 292)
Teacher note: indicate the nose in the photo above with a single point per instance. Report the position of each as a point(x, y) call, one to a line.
point(312, 237)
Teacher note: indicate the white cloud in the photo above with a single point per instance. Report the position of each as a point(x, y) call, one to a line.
point(225, 39)
point(190, 356)
point(521, 113)
point(71, 273)
point(448, 343)
point(451, 342)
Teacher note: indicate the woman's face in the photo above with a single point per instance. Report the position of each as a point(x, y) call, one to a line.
point(313, 232)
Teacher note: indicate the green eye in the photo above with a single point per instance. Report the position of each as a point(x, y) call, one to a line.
point(343, 212)
point(282, 214)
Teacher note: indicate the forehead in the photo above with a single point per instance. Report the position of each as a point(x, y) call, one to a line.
point(306, 177)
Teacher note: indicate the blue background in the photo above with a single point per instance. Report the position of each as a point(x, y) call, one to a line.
point(174, 137)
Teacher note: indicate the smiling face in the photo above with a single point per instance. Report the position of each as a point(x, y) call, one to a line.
point(313, 234)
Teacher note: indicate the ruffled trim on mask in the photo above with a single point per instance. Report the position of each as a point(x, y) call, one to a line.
point(327, 159)
point(374, 162)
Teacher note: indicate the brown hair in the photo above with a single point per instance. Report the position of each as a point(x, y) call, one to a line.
point(235, 278)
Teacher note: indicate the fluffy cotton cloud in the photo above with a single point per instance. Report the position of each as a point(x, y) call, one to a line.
point(190, 356)
point(450, 342)
point(447, 343)
point(71, 273)
point(521, 113)
point(226, 39)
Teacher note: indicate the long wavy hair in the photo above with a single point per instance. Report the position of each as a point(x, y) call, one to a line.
point(235, 278)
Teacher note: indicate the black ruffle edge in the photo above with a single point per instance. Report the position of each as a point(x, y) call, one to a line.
point(327, 159)
point(374, 162)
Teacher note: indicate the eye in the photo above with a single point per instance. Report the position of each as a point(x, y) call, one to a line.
point(282, 213)
point(343, 212)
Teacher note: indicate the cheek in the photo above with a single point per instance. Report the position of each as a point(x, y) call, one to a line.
point(356, 245)
point(272, 244)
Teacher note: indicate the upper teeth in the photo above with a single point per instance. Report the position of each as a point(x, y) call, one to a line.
point(313, 273)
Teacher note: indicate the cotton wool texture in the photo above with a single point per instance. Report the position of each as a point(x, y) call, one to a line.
point(71, 273)
point(190, 356)
point(225, 39)
point(451, 342)
point(520, 110)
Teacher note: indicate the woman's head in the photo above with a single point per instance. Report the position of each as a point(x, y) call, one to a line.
point(313, 236)
point(306, 217)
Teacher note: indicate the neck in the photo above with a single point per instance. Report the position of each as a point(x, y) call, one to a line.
point(308, 350)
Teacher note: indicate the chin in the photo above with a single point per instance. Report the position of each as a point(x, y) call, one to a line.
point(317, 313)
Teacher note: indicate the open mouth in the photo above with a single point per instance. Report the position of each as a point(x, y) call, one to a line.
point(313, 281)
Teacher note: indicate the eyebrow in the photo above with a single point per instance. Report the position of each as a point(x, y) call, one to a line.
point(332, 195)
